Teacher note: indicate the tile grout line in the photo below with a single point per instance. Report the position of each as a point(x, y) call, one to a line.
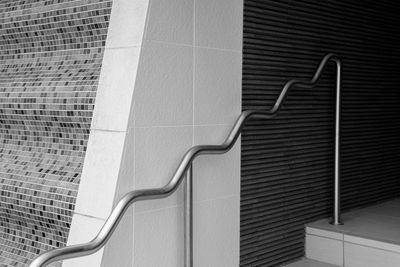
point(193, 70)
point(343, 253)
point(182, 125)
point(134, 155)
point(194, 46)
point(181, 205)
point(330, 238)
point(89, 216)
point(133, 110)
point(106, 48)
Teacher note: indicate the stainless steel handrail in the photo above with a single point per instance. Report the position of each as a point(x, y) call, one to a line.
point(146, 194)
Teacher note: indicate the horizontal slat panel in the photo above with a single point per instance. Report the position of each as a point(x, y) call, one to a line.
point(287, 163)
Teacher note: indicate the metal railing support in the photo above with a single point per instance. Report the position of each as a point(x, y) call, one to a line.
point(185, 169)
point(188, 203)
point(336, 213)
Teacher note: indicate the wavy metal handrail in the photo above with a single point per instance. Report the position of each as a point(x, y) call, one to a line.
point(113, 220)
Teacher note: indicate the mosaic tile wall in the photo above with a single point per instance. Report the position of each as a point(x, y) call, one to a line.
point(50, 60)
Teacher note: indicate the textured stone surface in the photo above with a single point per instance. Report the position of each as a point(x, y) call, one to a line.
point(50, 59)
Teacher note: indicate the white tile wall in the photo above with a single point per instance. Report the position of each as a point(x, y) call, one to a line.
point(120, 245)
point(163, 93)
point(217, 91)
point(324, 249)
point(126, 182)
point(84, 229)
point(158, 151)
point(115, 91)
point(171, 21)
point(215, 176)
point(216, 232)
point(185, 93)
point(219, 24)
point(188, 94)
point(101, 168)
point(324, 233)
point(159, 238)
point(127, 23)
point(162, 122)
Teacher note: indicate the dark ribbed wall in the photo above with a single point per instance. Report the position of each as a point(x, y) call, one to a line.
point(287, 162)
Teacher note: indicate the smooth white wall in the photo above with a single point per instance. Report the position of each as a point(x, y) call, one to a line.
point(188, 92)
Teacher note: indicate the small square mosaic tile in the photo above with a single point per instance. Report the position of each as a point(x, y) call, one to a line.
point(50, 60)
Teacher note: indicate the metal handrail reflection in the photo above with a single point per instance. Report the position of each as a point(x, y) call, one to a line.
point(113, 220)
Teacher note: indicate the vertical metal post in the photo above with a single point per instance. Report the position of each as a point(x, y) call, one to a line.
point(336, 213)
point(188, 202)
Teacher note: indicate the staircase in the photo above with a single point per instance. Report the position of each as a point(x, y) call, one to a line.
point(370, 237)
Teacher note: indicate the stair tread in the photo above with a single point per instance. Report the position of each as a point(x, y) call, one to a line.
point(377, 223)
point(310, 263)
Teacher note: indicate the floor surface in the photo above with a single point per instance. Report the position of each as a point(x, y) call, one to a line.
point(309, 263)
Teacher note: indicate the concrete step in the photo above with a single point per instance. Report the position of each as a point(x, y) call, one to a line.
point(370, 237)
point(309, 263)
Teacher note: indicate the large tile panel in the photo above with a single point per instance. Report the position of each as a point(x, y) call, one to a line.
point(171, 21)
point(101, 170)
point(116, 86)
point(216, 232)
point(164, 86)
point(159, 238)
point(217, 86)
point(83, 230)
point(324, 249)
point(215, 176)
point(219, 24)
point(158, 151)
point(132, 15)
